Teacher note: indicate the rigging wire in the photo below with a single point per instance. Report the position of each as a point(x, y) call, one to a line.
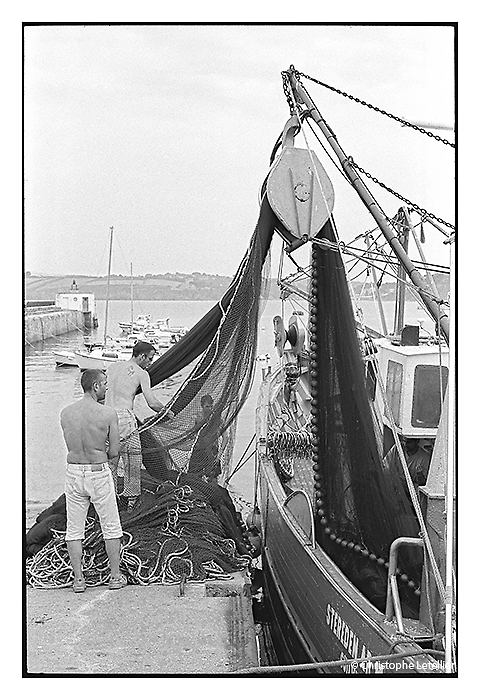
point(403, 122)
point(295, 109)
point(239, 463)
point(376, 181)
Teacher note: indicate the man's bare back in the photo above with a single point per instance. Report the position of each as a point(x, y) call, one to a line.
point(124, 378)
point(87, 425)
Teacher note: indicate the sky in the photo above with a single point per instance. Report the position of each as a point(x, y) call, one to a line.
point(165, 133)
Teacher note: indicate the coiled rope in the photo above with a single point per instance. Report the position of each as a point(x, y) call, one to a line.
point(177, 538)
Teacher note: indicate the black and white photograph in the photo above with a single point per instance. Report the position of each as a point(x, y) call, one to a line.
point(240, 349)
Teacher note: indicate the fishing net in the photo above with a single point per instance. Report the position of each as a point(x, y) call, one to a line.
point(175, 533)
point(199, 440)
point(362, 499)
point(184, 525)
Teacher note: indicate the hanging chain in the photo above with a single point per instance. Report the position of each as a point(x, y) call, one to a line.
point(381, 111)
point(288, 91)
point(419, 210)
point(290, 100)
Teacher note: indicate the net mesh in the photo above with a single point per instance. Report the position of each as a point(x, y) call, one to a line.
point(198, 440)
point(364, 500)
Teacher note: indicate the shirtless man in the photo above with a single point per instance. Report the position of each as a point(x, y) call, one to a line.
point(124, 378)
point(91, 435)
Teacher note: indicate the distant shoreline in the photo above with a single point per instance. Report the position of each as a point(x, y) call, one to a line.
point(168, 287)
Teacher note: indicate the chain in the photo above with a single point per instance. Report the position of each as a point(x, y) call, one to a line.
point(420, 210)
point(288, 92)
point(381, 111)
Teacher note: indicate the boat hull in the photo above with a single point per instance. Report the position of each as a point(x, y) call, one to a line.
point(65, 359)
point(87, 360)
point(317, 614)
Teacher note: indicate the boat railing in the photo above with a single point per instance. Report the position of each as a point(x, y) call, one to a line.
point(393, 607)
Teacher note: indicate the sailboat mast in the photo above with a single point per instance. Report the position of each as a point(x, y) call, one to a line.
point(436, 308)
point(108, 286)
point(131, 298)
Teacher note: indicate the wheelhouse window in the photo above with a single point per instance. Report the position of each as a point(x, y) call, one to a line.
point(426, 405)
point(394, 388)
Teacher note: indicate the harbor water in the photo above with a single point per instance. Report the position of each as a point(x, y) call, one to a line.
point(48, 389)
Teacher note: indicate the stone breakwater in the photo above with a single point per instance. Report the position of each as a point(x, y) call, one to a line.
point(40, 324)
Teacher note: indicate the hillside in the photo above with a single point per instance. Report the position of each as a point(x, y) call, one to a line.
point(168, 287)
point(149, 287)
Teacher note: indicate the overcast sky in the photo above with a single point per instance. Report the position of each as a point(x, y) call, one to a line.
point(165, 133)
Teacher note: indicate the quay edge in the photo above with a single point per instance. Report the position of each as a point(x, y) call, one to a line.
point(142, 630)
point(44, 322)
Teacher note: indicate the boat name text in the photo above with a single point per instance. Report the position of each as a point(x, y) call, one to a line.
point(348, 639)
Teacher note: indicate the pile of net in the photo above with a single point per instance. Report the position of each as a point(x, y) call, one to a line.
point(176, 532)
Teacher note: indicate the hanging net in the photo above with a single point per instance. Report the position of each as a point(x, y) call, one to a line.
point(363, 501)
point(198, 441)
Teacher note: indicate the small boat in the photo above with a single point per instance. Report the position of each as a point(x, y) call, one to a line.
point(101, 357)
point(140, 323)
point(163, 324)
point(65, 358)
point(161, 329)
point(160, 338)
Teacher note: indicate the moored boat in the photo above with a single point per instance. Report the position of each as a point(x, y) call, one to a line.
point(65, 358)
point(160, 331)
point(100, 358)
point(137, 325)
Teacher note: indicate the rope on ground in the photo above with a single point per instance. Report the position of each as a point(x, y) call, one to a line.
point(357, 663)
point(164, 541)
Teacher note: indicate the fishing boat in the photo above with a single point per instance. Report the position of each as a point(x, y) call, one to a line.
point(354, 436)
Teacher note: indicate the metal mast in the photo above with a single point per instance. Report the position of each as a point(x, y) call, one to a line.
point(436, 308)
point(108, 287)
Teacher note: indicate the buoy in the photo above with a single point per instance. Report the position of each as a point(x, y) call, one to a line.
point(253, 520)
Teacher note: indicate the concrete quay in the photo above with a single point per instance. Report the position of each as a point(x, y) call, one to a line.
point(141, 630)
point(40, 324)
